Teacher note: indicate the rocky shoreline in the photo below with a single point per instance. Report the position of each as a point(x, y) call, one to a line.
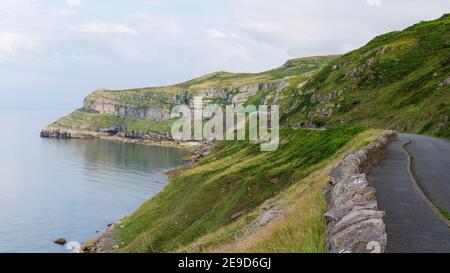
point(103, 244)
point(353, 220)
point(148, 139)
point(106, 243)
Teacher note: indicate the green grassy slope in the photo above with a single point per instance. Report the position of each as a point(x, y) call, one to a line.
point(234, 179)
point(159, 96)
point(84, 121)
point(219, 80)
point(398, 80)
point(292, 67)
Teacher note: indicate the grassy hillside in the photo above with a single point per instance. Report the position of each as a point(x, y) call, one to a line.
point(293, 67)
point(84, 121)
point(161, 96)
point(399, 80)
point(228, 185)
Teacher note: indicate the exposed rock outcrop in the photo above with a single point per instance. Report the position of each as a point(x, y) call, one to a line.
point(104, 244)
point(362, 70)
point(243, 93)
point(317, 106)
point(148, 105)
point(157, 105)
point(60, 241)
point(354, 223)
point(446, 82)
point(112, 107)
point(107, 134)
point(63, 133)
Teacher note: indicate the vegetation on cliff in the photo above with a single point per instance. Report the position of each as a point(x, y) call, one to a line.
point(167, 95)
point(400, 80)
point(85, 121)
point(122, 102)
point(221, 193)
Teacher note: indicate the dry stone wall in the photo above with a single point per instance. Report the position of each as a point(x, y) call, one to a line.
point(354, 223)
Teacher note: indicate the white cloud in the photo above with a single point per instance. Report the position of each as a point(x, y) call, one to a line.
point(65, 12)
point(275, 33)
point(373, 2)
point(73, 3)
point(303, 28)
point(12, 43)
point(234, 52)
point(126, 50)
point(157, 24)
point(215, 34)
point(235, 36)
point(105, 28)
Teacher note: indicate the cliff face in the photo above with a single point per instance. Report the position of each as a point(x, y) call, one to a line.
point(158, 106)
point(114, 108)
point(142, 115)
point(68, 133)
point(145, 113)
point(399, 81)
point(107, 134)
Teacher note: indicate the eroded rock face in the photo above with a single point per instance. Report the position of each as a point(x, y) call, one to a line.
point(354, 223)
point(446, 81)
point(63, 133)
point(362, 70)
point(111, 107)
point(159, 106)
point(318, 106)
point(242, 94)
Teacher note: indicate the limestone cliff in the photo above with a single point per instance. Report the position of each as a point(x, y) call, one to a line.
point(156, 105)
point(144, 113)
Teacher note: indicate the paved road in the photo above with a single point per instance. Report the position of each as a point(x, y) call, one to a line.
point(411, 225)
point(431, 167)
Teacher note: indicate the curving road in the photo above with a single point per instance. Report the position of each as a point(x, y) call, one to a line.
point(411, 223)
point(431, 167)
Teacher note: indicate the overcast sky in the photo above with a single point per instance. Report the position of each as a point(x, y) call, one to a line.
point(54, 52)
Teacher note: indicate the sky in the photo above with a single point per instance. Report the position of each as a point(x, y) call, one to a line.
point(55, 52)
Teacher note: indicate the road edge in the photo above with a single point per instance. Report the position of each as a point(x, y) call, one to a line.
point(418, 188)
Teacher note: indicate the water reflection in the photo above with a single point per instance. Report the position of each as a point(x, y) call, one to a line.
point(69, 188)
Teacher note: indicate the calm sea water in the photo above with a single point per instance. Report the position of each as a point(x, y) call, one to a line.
point(53, 188)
